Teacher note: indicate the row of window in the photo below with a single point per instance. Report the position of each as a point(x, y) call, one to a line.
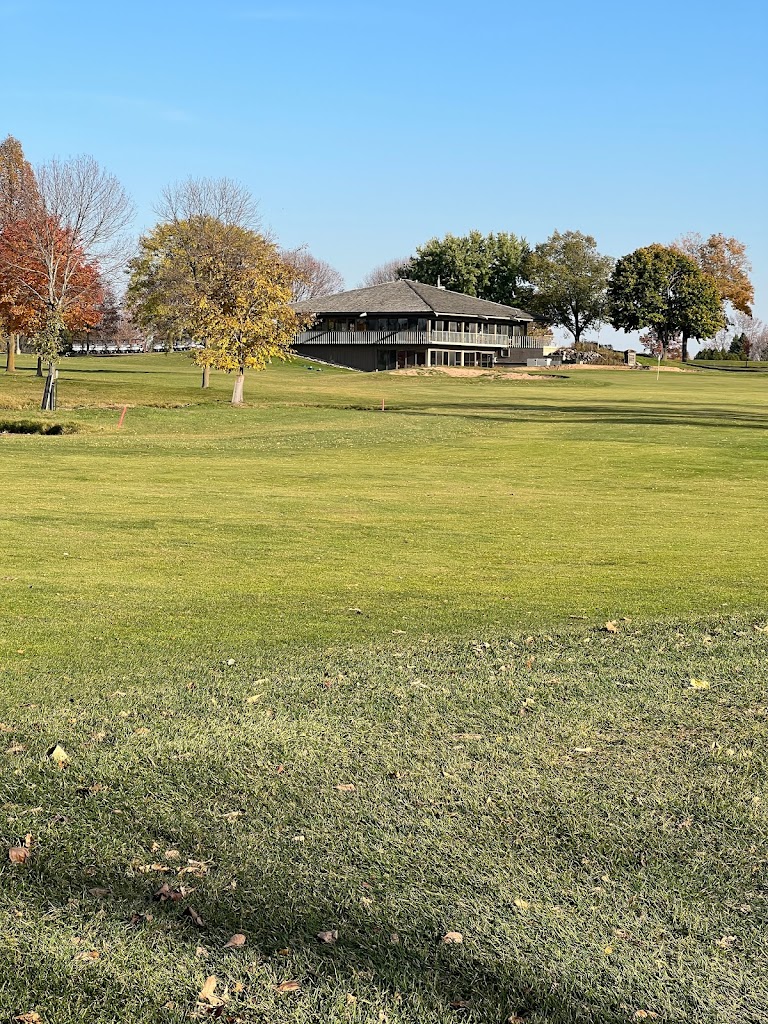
point(377, 323)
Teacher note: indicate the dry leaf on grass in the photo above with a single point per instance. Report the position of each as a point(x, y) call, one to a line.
point(194, 917)
point(99, 893)
point(346, 787)
point(611, 626)
point(236, 942)
point(16, 748)
point(90, 956)
point(727, 941)
point(29, 1018)
point(208, 993)
point(699, 684)
point(328, 938)
point(288, 986)
point(461, 1004)
point(453, 938)
point(166, 893)
point(58, 755)
point(19, 854)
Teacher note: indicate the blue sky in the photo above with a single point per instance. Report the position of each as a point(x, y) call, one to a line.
point(365, 129)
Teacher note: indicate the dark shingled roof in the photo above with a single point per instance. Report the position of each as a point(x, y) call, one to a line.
point(408, 298)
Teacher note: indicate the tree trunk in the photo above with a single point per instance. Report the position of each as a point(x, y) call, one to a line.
point(49, 391)
point(10, 358)
point(237, 391)
point(206, 377)
point(684, 348)
point(39, 366)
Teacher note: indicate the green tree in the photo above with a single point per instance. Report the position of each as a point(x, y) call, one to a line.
point(487, 266)
point(664, 290)
point(570, 278)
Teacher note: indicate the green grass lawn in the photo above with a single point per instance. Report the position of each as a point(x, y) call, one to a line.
point(412, 603)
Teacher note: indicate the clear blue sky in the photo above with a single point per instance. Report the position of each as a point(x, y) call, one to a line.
point(365, 129)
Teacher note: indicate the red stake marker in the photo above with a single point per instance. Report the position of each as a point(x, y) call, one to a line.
point(122, 416)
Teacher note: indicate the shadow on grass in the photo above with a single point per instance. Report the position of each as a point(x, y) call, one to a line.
point(694, 416)
point(414, 969)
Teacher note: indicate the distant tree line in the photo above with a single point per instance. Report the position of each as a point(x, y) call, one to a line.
point(690, 289)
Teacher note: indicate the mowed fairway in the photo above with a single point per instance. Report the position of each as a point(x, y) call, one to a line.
point(347, 670)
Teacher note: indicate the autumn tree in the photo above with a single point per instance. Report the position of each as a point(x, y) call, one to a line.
point(197, 216)
point(489, 267)
point(73, 233)
point(312, 277)
point(664, 290)
point(251, 321)
point(222, 284)
point(725, 260)
point(570, 278)
point(18, 195)
point(384, 273)
point(47, 286)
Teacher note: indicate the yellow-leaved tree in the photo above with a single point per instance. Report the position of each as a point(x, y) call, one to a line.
point(223, 285)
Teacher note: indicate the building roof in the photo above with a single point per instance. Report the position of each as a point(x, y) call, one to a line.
point(409, 298)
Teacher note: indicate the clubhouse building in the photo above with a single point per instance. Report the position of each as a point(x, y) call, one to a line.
point(404, 323)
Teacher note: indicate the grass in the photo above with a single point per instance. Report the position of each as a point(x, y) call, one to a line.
point(224, 615)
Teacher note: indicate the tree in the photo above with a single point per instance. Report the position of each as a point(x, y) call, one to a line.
point(570, 279)
point(664, 290)
point(45, 290)
point(77, 223)
point(18, 195)
point(312, 277)
point(384, 273)
point(224, 285)
point(251, 321)
point(489, 267)
point(198, 214)
point(725, 260)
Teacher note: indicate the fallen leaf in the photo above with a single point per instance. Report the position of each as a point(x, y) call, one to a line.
point(583, 750)
point(346, 787)
point(7, 728)
point(351, 999)
point(394, 939)
point(453, 938)
point(29, 1018)
point(328, 938)
point(699, 684)
point(208, 992)
point(522, 904)
point(58, 755)
point(727, 941)
point(201, 951)
point(468, 736)
point(253, 698)
point(233, 815)
point(194, 917)
point(100, 893)
point(460, 1004)
point(18, 855)
point(236, 942)
point(16, 748)
point(288, 986)
point(172, 855)
point(89, 956)
point(611, 626)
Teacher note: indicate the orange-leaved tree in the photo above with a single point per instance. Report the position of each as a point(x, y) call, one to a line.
point(18, 196)
point(47, 285)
